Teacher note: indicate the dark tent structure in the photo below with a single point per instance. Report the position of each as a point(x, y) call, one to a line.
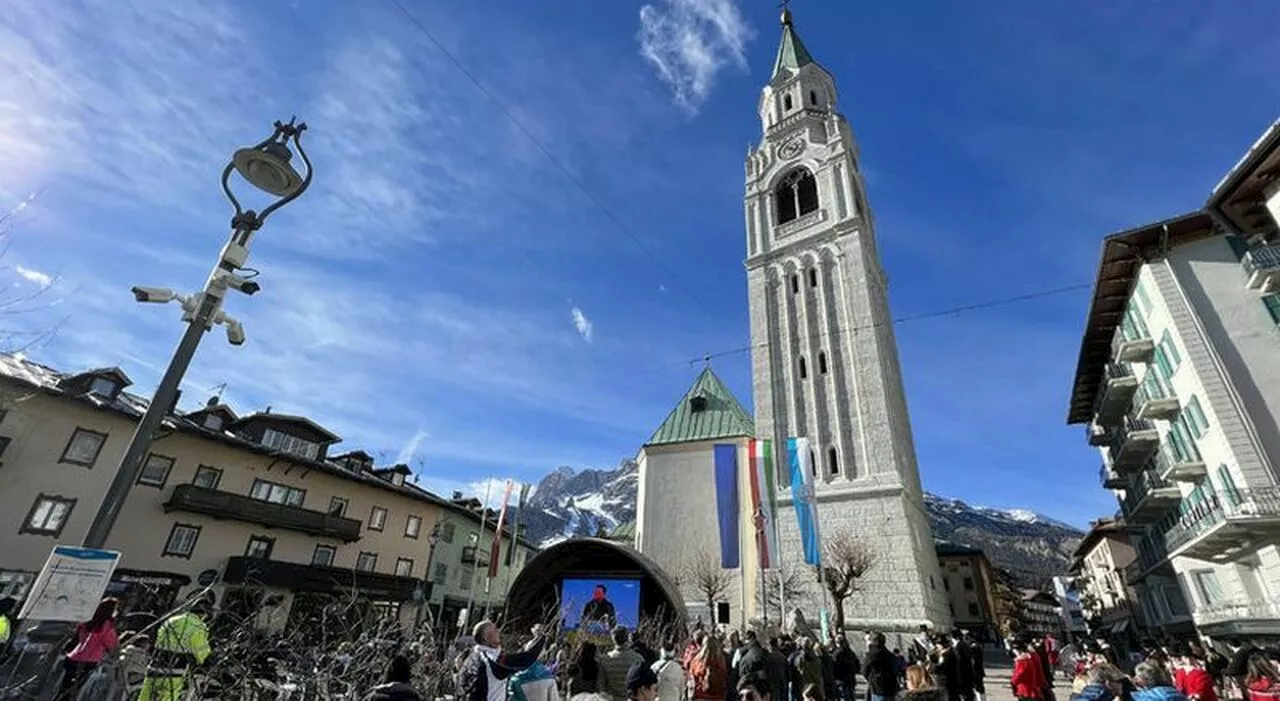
point(534, 596)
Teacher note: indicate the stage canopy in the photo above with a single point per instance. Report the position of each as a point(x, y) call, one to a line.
point(535, 596)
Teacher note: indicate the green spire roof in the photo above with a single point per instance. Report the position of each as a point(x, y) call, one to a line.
point(791, 52)
point(708, 411)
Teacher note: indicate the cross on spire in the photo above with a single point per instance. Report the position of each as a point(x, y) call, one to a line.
point(786, 12)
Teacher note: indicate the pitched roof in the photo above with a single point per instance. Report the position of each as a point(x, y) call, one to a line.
point(706, 412)
point(791, 52)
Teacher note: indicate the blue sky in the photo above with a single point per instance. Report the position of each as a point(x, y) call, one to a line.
point(447, 294)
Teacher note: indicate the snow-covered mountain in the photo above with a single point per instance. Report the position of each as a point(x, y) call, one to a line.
point(1032, 547)
point(567, 503)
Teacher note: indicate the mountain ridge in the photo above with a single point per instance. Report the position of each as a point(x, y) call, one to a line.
point(568, 503)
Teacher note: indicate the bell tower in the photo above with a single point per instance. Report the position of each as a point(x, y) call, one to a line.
point(824, 359)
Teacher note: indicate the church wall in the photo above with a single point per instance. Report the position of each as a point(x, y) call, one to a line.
point(676, 517)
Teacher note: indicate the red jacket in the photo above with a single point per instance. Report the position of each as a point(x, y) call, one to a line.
point(1028, 678)
point(1195, 683)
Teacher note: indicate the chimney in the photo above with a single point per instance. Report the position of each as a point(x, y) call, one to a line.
point(457, 495)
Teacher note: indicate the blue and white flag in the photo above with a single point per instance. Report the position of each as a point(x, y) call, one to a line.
point(727, 507)
point(800, 460)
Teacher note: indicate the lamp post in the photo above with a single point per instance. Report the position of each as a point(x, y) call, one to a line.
point(265, 166)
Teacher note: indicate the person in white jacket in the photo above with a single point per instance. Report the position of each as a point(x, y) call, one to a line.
point(671, 681)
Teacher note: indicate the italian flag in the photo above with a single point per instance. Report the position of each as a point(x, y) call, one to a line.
point(764, 500)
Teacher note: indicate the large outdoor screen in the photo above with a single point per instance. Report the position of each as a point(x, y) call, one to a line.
point(595, 606)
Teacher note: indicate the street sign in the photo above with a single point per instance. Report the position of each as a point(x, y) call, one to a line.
point(71, 584)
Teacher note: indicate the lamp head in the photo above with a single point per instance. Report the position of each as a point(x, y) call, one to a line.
point(268, 169)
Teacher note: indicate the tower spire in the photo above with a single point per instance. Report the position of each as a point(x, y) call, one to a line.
point(791, 52)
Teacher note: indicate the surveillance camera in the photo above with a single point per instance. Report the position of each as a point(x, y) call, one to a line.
point(235, 332)
point(157, 295)
point(246, 285)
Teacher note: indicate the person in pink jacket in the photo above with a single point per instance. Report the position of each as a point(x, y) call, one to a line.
point(95, 638)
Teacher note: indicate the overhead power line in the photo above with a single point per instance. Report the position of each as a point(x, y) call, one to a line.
point(949, 311)
point(555, 161)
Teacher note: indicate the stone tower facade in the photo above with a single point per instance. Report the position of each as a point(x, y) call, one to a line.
point(824, 360)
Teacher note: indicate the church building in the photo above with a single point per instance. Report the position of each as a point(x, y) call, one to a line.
point(824, 367)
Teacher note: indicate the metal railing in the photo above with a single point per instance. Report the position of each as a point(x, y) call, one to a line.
point(1217, 507)
point(1140, 488)
point(1262, 258)
point(1266, 608)
point(1113, 371)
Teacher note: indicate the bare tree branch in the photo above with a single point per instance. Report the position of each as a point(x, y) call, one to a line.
point(847, 558)
point(702, 573)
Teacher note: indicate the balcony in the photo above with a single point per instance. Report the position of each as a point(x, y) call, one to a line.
point(1255, 618)
point(1097, 436)
point(1181, 465)
point(1132, 344)
point(1155, 399)
point(1152, 553)
point(1132, 444)
point(237, 507)
point(1227, 526)
point(1118, 386)
point(1112, 479)
point(1262, 267)
point(1149, 498)
point(471, 556)
point(324, 580)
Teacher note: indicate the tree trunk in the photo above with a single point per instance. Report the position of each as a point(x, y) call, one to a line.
point(838, 623)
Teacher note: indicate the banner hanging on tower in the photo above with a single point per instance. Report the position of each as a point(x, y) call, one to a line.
point(727, 504)
point(764, 500)
point(806, 503)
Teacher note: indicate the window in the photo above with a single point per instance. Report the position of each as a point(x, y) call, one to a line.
point(1272, 303)
point(1227, 484)
point(182, 541)
point(796, 196)
point(367, 562)
point(968, 583)
point(804, 373)
point(377, 518)
point(1196, 421)
point(974, 611)
point(293, 445)
point(15, 583)
point(833, 463)
point(786, 102)
point(104, 387)
point(1238, 245)
point(1210, 588)
point(412, 526)
point(404, 567)
point(795, 284)
point(813, 97)
point(277, 493)
point(822, 362)
point(48, 515)
point(1170, 353)
point(465, 576)
point(1144, 301)
point(337, 506)
point(441, 574)
point(473, 538)
point(260, 547)
point(1180, 442)
point(155, 471)
point(813, 277)
point(207, 477)
point(446, 533)
point(323, 556)
point(83, 448)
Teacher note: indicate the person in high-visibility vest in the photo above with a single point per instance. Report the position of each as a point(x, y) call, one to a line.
point(182, 642)
point(7, 605)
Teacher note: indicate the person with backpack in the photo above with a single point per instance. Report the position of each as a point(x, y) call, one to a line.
point(95, 638)
point(485, 672)
point(671, 681)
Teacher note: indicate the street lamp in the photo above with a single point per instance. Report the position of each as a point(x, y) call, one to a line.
point(266, 166)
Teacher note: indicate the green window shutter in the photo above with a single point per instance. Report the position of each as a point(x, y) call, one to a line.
point(1196, 419)
point(1144, 302)
point(1272, 302)
point(1238, 246)
point(1228, 485)
point(1162, 367)
point(1171, 351)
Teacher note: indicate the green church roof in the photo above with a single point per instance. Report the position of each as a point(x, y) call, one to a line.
point(791, 52)
point(708, 411)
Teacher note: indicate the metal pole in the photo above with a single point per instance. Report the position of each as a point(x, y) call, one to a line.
point(209, 301)
point(484, 518)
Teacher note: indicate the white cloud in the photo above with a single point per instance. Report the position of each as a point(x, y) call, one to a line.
point(582, 324)
point(690, 41)
point(410, 449)
point(36, 277)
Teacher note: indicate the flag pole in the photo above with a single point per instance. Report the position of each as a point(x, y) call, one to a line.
point(484, 517)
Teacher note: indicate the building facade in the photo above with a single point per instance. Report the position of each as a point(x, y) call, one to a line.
point(1040, 614)
point(1110, 603)
point(1069, 607)
point(824, 359)
point(258, 507)
point(969, 582)
point(1179, 387)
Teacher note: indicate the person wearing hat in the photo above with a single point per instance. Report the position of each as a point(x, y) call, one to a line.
point(642, 683)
